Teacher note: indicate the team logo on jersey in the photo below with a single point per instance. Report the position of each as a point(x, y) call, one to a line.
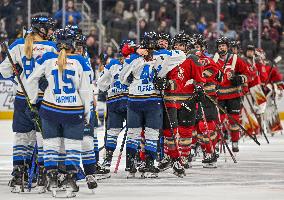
point(181, 73)
point(204, 61)
point(229, 72)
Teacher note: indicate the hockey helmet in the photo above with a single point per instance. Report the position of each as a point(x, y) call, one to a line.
point(38, 23)
point(65, 39)
point(200, 40)
point(222, 40)
point(164, 36)
point(149, 40)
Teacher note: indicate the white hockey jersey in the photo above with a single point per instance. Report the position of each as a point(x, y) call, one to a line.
point(142, 88)
point(69, 96)
point(109, 81)
point(16, 50)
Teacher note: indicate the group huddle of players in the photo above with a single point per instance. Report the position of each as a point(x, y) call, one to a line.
point(172, 95)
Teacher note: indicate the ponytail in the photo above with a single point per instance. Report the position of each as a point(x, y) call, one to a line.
point(29, 41)
point(62, 60)
point(28, 48)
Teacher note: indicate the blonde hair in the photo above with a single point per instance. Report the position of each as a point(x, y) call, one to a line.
point(62, 60)
point(29, 41)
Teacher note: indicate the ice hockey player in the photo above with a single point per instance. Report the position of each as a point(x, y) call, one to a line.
point(255, 98)
point(207, 117)
point(24, 52)
point(65, 109)
point(88, 154)
point(145, 107)
point(182, 87)
point(236, 73)
point(235, 47)
point(116, 99)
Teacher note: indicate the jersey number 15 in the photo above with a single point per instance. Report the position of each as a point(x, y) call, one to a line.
point(66, 79)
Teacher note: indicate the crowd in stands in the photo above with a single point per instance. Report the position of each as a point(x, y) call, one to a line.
point(239, 20)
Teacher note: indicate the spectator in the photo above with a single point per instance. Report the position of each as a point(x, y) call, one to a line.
point(251, 20)
point(268, 45)
point(72, 16)
point(201, 24)
point(272, 10)
point(19, 27)
point(162, 13)
point(229, 32)
point(144, 13)
point(7, 13)
point(109, 52)
point(249, 36)
point(92, 49)
point(117, 12)
point(163, 27)
point(129, 14)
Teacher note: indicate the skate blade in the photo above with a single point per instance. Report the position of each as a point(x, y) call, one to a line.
point(40, 189)
point(130, 176)
point(210, 166)
point(102, 176)
point(179, 175)
point(150, 175)
point(164, 169)
point(17, 189)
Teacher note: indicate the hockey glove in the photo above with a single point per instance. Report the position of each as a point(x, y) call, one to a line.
point(87, 129)
point(199, 93)
point(32, 112)
point(130, 78)
point(42, 83)
point(161, 83)
point(238, 80)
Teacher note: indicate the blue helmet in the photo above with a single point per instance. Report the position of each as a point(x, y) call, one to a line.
point(40, 22)
point(149, 40)
point(65, 39)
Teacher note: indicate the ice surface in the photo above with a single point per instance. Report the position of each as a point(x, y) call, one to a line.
point(259, 174)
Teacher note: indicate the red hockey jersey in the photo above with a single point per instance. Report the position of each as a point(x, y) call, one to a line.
point(182, 80)
point(211, 69)
point(234, 66)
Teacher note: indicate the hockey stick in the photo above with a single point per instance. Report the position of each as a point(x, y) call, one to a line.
point(206, 126)
point(171, 126)
point(120, 151)
point(259, 120)
point(233, 119)
point(31, 171)
point(5, 48)
point(224, 142)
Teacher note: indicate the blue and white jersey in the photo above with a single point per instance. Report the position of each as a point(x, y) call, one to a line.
point(16, 50)
point(109, 81)
point(68, 97)
point(142, 88)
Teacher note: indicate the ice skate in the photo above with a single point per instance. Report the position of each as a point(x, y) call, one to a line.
point(165, 163)
point(71, 185)
point(178, 169)
point(185, 162)
point(41, 180)
point(148, 169)
point(52, 182)
point(102, 172)
point(130, 167)
point(91, 182)
point(107, 161)
point(210, 161)
point(18, 181)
